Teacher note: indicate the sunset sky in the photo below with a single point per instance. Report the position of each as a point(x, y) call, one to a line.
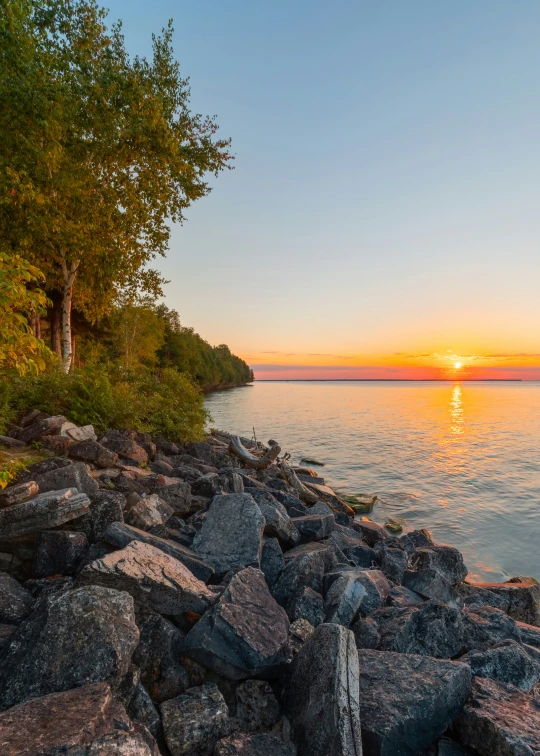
point(383, 217)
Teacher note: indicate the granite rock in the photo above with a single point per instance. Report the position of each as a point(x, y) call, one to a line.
point(74, 475)
point(59, 552)
point(343, 599)
point(195, 721)
point(272, 562)
point(15, 602)
point(18, 493)
point(44, 511)
point(149, 511)
point(93, 453)
point(257, 708)
point(506, 663)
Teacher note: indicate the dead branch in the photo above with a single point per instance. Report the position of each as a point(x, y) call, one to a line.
point(237, 448)
point(303, 492)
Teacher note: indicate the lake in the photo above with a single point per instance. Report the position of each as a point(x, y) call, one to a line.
point(462, 459)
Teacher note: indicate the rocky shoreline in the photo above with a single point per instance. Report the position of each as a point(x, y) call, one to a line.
point(215, 599)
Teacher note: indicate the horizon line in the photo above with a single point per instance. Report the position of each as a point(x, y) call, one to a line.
point(393, 380)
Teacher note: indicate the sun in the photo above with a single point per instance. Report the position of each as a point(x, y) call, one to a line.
point(457, 365)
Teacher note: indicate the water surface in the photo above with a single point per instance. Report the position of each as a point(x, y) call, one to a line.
point(462, 459)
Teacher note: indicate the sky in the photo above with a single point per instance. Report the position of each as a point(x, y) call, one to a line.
point(382, 218)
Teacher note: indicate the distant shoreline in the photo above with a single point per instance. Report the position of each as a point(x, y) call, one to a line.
point(391, 380)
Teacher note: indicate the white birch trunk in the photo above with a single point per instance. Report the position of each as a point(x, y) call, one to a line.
point(67, 299)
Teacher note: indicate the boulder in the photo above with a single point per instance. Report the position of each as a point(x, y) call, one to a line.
point(206, 485)
point(39, 428)
point(178, 497)
point(292, 504)
point(18, 493)
point(299, 631)
point(124, 447)
point(370, 532)
point(195, 721)
point(278, 523)
point(314, 527)
point(59, 552)
point(73, 638)
point(43, 466)
point(308, 605)
point(321, 696)
point(393, 561)
point(431, 585)
point(51, 725)
point(94, 453)
point(375, 583)
point(354, 548)
point(256, 744)
point(231, 535)
point(407, 701)
point(257, 708)
point(58, 445)
point(366, 632)
point(44, 511)
point(331, 555)
point(431, 629)
point(499, 720)
point(486, 626)
point(121, 535)
point(149, 511)
point(401, 596)
point(11, 443)
point(71, 476)
point(151, 577)
point(507, 663)
point(343, 600)
point(521, 600)
point(82, 433)
point(105, 508)
point(303, 572)
point(142, 709)
point(244, 634)
point(445, 560)
point(272, 562)
point(15, 602)
point(529, 634)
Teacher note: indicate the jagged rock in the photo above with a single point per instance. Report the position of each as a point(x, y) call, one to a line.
point(59, 552)
point(82, 433)
point(257, 744)
point(343, 599)
point(233, 482)
point(178, 496)
point(18, 493)
point(149, 511)
point(121, 535)
point(421, 539)
point(206, 485)
point(94, 453)
point(231, 535)
point(431, 585)
point(151, 577)
point(142, 709)
point(408, 701)
point(499, 720)
point(44, 466)
point(124, 447)
point(321, 695)
point(308, 605)
point(106, 507)
point(431, 629)
point(370, 531)
point(272, 562)
point(71, 476)
point(44, 511)
point(292, 504)
point(401, 596)
point(278, 523)
point(374, 581)
point(75, 637)
point(299, 631)
point(257, 708)
point(354, 548)
point(40, 428)
point(529, 634)
point(507, 663)
point(195, 721)
point(331, 554)
point(314, 527)
point(447, 747)
point(520, 600)
point(303, 572)
point(485, 626)
point(244, 634)
point(11, 443)
point(366, 633)
point(51, 725)
point(393, 561)
point(15, 602)
point(445, 560)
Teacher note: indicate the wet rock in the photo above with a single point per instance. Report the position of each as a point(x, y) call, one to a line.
point(39, 428)
point(343, 599)
point(18, 493)
point(44, 511)
point(59, 552)
point(195, 721)
point(244, 634)
point(94, 453)
point(52, 725)
point(278, 523)
point(257, 744)
point(321, 695)
point(520, 600)
point(303, 572)
point(401, 596)
point(141, 709)
point(178, 497)
point(499, 720)
point(73, 476)
point(506, 663)
point(421, 539)
point(231, 535)
point(371, 532)
point(445, 560)
point(15, 602)
point(257, 708)
point(431, 629)
point(105, 508)
point(431, 585)
point(308, 605)
point(314, 527)
point(393, 562)
point(151, 577)
point(272, 562)
point(408, 701)
point(76, 637)
point(486, 626)
point(148, 512)
point(366, 633)
point(124, 447)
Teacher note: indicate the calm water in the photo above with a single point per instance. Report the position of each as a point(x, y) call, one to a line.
point(462, 459)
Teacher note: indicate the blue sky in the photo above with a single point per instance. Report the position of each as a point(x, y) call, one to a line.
point(385, 195)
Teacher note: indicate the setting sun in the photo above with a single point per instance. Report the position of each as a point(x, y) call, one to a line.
point(457, 365)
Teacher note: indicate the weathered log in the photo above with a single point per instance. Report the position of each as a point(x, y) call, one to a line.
point(237, 448)
point(303, 491)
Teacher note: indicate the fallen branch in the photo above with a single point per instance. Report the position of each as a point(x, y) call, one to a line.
point(292, 479)
point(237, 448)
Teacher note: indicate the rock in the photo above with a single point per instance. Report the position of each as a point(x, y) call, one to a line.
point(76, 637)
point(257, 744)
point(106, 507)
point(257, 708)
point(506, 663)
point(272, 562)
point(431, 629)
point(234, 482)
point(354, 548)
point(366, 633)
point(195, 721)
point(141, 709)
point(520, 600)
point(148, 512)
point(431, 585)
point(343, 600)
point(11, 443)
point(83, 433)
point(421, 539)
point(231, 534)
point(178, 497)
point(303, 572)
point(44, 511)
point(244, 634)
point(94, 453)
point(321, 695)
point(59, 445)
point(151, 577)
point(486, 626)
point(292, 504)
point(278, 523)
point(447, 747)
point(499, 720)
point(59, 552)
point(314, 527)
point(15, 602)
point(370, 532)
point(121, 535)
point(18, 493)
point(401, 596)
point(51, 725)
point(408, 701)
point(529, 634)
point(6, 631)
point(206, 485)
point(445, 560)
point(162, 467)
point(375, 583)
point(72, 476)
point(124, 447)
point(393, 562)
point(308, 605)
point(328, 550)
point(167, 447)
point(39, 428)
point(299, 631)
point(44, 466)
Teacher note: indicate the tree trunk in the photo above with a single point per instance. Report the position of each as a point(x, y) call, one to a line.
point(55, 320)
point(67, 301)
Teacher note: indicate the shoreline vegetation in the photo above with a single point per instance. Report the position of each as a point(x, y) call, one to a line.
point(218, 598)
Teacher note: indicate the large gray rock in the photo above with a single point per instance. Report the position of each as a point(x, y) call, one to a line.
point(314, 527)
point(94, 453)
point(407, 701)
point(529, 634)
point(231, 534)
point(507, 663)
point(446, 560)
point(71, 476)
point(272, 562)
point(151, 577)
point(393, 561)
point(119, 534)
point(354, 548)
point(44, 511)
point(307, 605)
point(15, 602)
point(124, 446)
point(178, 497)
point(245, 634)
point(46, 427)
point(106, 507)
point(431, 585)
point(366, 633)
point(375, 583)
point(148, 512)
point(321, 695)
point(521, 599)
point(485, 626)
point(303, 572)
point(195, 721)
point(257, 708)
point(18, 493)
point(59, 552)
point(371, 532)
point(278, 523)
point(499, 720)
point(81, 636)
point(51, 726)
point(343, 600)
point(258, 744)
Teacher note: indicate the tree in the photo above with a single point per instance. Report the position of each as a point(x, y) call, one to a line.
point(112, 153)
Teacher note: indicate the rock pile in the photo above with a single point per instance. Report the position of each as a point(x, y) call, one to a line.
point(212, 600)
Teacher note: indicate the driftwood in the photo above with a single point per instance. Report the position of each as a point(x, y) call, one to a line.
point(303, 491)
point(237, 448)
